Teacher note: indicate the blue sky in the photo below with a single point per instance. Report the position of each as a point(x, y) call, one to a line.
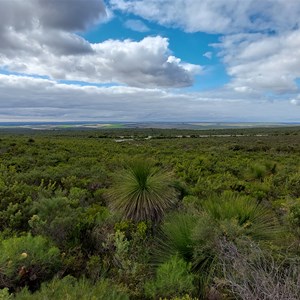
point(190, 47)
point(150, 60)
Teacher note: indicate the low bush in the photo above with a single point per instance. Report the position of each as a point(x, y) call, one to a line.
point(69, 288)
point(27, 260)
point(173, 278)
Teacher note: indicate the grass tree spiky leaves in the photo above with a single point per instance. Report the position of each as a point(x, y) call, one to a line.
point(141, 192)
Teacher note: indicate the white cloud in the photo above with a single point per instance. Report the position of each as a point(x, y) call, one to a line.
point(260, 49)
point(136, 25)
point(147, 63)
point(39, 37)
point(296, 101)
point(260, 43)
point(208, 55)
point(262, 62)
point(34, 25)
point(34, 99)
point(62, 15)
point(216, 16)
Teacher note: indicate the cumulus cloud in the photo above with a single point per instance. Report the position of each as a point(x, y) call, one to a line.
point(147, 63)
point(136, 25)
point(64, 15)
point(263, 62)
point(216, 16)
point(35, 99)
point(296, 101)
point(260, 39)
point(259, 48)
point(32, 26)
point(38, 37)
point(70, 15)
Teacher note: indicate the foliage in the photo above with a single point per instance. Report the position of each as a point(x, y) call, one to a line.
point(27, 260)
point(293, 184)
point(233, 186)
point(252, 219)
point(173, 278)
point(176, 237)
point(71, 289)
point(54, 217)
point(63, 220)
point(195, 238)
point(130, 258)
point(5, 295)
point(141, 193)
point(185, 297)
point(294, 218)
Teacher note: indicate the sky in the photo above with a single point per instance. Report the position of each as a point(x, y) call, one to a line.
point(150, 60)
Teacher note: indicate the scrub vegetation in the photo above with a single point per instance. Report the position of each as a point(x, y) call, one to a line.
point(150, 214)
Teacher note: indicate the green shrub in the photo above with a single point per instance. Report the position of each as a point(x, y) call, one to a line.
point(257, 171)
point(130, 262)
point(253, 219)
point(293, 185)
point(94, 268)
point(141, 193)
point(64, 221)
point(196, 238)
point(69, 288)
point(173, 278)
point(176, 237)
point(56, 218)
point(27, 260)
point(5, 295)
point(294, 218)
point(191, 203)
point(185, 297)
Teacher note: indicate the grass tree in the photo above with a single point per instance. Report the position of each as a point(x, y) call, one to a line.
point(229, 216)
point(197, 237)
point(141, 192)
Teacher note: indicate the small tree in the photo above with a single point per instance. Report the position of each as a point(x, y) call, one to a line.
point(141, 193)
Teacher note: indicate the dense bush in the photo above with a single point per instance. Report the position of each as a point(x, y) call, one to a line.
point(71, 289)
point(173, 278)
point(294, 218)
point(27, 260)
point(69, 207)
point(196, 237)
